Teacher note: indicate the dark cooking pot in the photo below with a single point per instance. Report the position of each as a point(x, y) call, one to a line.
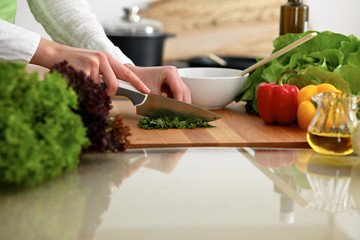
point(142, 40)
point(142, 50)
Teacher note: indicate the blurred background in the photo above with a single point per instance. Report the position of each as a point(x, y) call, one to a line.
point(225, 27)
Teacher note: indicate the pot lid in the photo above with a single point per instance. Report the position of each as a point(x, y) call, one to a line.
point(132, 24)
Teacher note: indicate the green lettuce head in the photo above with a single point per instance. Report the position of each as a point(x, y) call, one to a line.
point(40, 135)
point(336, 58)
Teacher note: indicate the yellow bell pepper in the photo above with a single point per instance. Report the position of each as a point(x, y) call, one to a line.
point(306, 109)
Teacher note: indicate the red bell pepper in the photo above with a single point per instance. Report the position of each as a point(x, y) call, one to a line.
point(277, 102)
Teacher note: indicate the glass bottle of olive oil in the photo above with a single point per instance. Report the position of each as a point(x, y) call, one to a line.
point(330, 143)
point(294, 17)
point(330, 130)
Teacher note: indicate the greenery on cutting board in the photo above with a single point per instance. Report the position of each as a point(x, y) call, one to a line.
point(164, 122)
point(327, 58)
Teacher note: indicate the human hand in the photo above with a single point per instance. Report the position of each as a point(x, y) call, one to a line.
point(163, 79)
point(92, 63)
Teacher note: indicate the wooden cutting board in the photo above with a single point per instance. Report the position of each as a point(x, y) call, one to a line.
point(235, 129)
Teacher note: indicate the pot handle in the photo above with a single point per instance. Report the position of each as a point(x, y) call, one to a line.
point(168, 35)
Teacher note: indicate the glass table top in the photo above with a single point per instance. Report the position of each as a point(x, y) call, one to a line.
point(192, 193)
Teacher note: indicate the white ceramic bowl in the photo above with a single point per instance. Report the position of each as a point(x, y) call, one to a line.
point(212, 88)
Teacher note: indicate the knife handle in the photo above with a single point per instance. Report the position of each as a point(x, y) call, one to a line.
point(129, 91)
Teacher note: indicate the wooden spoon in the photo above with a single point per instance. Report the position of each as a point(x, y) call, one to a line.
point(217, 59)
point(278, 53)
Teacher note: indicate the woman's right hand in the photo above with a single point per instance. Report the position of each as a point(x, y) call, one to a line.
point(92, 63)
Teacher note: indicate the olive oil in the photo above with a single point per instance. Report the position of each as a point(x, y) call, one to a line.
point(294, 17)
point(330, 143)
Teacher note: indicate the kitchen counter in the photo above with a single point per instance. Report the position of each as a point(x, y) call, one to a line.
point(192, 193)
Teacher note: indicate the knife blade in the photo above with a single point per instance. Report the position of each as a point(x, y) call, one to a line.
point(153, 105)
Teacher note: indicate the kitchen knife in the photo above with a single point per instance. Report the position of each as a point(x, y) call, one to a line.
point(153, 105)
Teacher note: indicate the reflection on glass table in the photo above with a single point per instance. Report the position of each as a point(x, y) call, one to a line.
point(330, 178)
point(278, 165)
point(83, 194)
point(324, 182)
point(192, 193)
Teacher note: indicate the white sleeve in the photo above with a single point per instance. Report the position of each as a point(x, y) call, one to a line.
point(72, 23)
point(17, 44)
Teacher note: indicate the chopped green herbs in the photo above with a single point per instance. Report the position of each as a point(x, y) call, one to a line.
point(166, 123)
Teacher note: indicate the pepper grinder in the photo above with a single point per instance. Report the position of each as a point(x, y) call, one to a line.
point(294, 17)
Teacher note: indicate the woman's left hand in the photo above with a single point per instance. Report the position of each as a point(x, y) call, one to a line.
point(163, 79)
